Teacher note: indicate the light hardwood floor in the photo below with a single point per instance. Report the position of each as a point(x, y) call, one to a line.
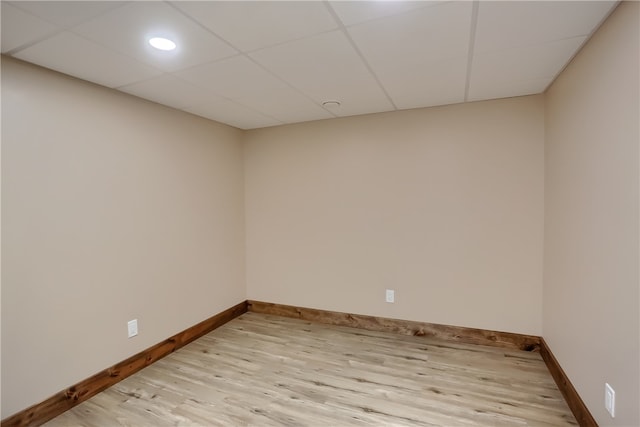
point(265, 371)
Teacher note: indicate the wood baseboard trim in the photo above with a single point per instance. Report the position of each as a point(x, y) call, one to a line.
point(571, 396)
point(64, 400)
point(406, 327)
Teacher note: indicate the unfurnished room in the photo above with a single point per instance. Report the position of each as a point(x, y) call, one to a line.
point(320, 213)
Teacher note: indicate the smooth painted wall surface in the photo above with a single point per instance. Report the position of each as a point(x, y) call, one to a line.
point(591, 297)
point(443, 205)
point(113, 208)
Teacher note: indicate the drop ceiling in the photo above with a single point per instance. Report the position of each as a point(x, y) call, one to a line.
point(253, 64)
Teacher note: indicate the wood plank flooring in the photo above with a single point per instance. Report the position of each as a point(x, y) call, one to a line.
point(264, 370)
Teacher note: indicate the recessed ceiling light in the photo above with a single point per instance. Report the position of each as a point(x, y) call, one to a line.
point(331, 104)
point(161, 43)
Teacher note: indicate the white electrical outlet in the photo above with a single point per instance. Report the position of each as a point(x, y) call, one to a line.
point(390, 295)
point(132, 328)
point(610, 400)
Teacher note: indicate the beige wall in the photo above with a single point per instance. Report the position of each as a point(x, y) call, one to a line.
point(113, 208)
point(444, 205)
point(591, 299)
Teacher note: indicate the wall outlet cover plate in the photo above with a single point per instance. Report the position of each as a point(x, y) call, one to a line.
point(610, 400)
point(132, 328)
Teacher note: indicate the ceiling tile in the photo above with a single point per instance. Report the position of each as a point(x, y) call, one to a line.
point(361, 101)
point(168, 90)
point(492, 89)
point(20, 28)
point(235, 77)
point(73, 55)
point(410, 40)
point(233, 114)
point(326, 67)
point(432, 83)
point(128, 28)
point(355, 12)
point(419, 57)
point(67, 13)
point(506, 24)
point(286, 105)
point(250, 25)
point(533, 63)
